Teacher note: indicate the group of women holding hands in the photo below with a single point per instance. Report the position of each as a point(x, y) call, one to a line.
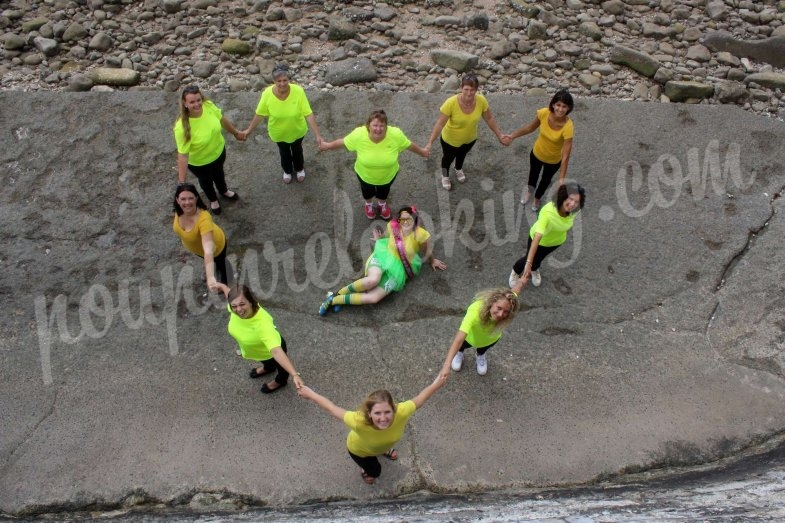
point(399, 251)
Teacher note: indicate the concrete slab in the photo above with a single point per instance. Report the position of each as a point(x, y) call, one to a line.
point(655, 342)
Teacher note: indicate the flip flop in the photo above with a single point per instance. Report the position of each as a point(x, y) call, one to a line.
point(255, 374)
point(267, 390)
point(370, 480)
point(391, 454)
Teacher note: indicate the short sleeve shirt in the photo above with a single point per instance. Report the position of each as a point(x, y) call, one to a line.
point(549, 143)
point(366, 440)
point(207, 140)
point(461, 128)
point(192, 240)
point(286, 117)
point(412, 243)
point(552, 226)
point(377, 163)
point(256, 336)
point(478, 334)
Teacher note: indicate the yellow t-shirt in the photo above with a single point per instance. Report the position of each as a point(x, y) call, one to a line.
point(461, 128)
point(256, 336)
point(192, 240)
point(286, 117)
point(478, 334)
point(366, 440)
point(548, 146)
point(412, 243)
point(552, 226)
point(377, 163)
point(207, 140)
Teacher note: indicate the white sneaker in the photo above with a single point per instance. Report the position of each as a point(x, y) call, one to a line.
point(536, 278)
point(300, 176)
point(287, 178)
point(513, 280)
point(460, 175)
point(457, 361)
point(482, 365)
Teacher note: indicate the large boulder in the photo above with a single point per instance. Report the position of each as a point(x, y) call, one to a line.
point(636, 60)
point(770, 80)
point(728, 91)
point(681, 91)
point(355, 71)
point(341, 29)
point(117, 77)
point(769, 50)
point(460, 61)
point(235, 46)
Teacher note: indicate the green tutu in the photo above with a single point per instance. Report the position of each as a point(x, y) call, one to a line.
point(393, 272)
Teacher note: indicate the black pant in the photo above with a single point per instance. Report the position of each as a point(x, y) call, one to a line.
point(480, 350)
point(381, 192)
point(271, 365)
point(224, 271)
point(291, 156)
point(451, 153)
point(548, 170)
point(370, 465)
point(212, 173)
point(540, 255)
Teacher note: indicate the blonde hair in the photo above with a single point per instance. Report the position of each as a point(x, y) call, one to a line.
point(377, 396)
point(491, 296)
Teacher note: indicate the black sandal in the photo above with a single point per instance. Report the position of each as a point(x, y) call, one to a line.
point(254, 374)
point(233, 198)
point(391, 454)
point(267, 390)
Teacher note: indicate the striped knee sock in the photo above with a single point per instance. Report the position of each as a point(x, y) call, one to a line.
point(352, 287)
point(347, 299)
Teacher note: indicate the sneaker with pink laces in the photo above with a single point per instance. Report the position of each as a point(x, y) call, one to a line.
point(384, 210)
point(370, 211)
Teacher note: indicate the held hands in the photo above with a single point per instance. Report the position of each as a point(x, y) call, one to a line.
point(298, 382)
point(304, 391)
point(506, 139)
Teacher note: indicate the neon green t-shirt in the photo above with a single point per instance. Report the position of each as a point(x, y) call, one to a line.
point(412, 243)
point(478, 334)
point(461, 128)
point(366, 440)
point(192, 240)
point(207, 140)
point(286, 118)
point(552, 226)
point(377, 163)
point(256, 336)
point(548, 146)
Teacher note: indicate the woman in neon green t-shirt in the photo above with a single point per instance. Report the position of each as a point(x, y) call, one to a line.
point(376, 427)
point(377, 147)
point(201, 146)
point(482, 326)
point(286, 107)
point(395, 259)
point(253, 329)
point(551, 150)
point(547, 234)
point(457, 124)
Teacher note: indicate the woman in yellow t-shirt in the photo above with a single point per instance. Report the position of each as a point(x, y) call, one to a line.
point(200, 145)
point(396, 258)
point(376, 427)
point(200, 236)
point(482, 326)
point(551, 150)
point(253, 329)
point(456, 127)
point(377, 147)
point(288, 111)
point(547, 234)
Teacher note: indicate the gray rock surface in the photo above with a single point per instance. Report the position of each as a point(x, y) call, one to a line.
point(654, 341)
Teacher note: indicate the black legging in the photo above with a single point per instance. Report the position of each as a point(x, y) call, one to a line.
point(370, 465)
point(381, 192)
point(271, 366)
point(451, 153)
point(548, 170)
point(212, 173)
point(540, 255)
point(292, 160)
point(480, 350)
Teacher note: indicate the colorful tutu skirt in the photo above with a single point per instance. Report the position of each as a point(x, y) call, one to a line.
point(393, 272)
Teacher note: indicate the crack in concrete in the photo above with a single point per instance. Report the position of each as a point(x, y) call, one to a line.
point(10, 461)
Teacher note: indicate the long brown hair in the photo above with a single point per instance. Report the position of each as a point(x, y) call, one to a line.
point(184, 115)
point(377, 396)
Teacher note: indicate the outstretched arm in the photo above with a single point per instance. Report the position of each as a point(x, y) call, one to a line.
point(427, 254)
point(441, 121)
point(526, 129)
point(424, 152)
point(283, 360)
point(457, 341)
point(308, 393)
point(425, 394)
point(328, 146)
point(565, 159)
point(229, 126)
point(527, 270)
point(311, 119)
point(493, 126)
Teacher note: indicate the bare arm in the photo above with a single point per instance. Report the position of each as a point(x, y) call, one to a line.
point(311, 119)
point(492, 125)
point(182, 167)
point(308, 393)
point(425, 394)
point(229, 126)
point(426, 253)
point(457, 341)
point(208, 246)
point(329, 146)
point(283, 360)
point(425, 153)
point(565, 159)
point(526, 129)
point(527, 271)
point(441, 121)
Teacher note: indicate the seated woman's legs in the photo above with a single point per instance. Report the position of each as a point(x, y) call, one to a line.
point(363, 291)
